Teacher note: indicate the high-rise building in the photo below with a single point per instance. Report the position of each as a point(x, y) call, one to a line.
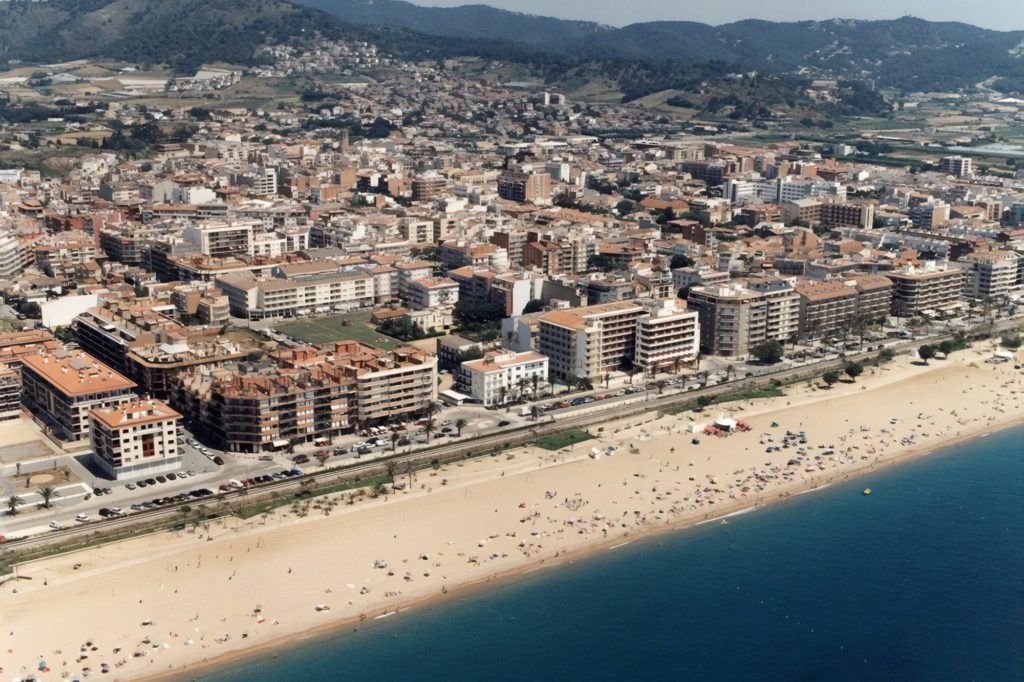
point(959, 166)
point(930, 288)
point(525, 187)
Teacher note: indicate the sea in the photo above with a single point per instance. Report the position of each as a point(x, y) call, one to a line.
point(923, 579)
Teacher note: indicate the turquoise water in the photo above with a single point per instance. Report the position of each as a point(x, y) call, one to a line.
point(923, 580)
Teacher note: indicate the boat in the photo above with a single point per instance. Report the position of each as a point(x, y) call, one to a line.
point(867, 491)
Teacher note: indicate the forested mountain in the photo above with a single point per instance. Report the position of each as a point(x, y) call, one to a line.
point(642, 58)
point(466, 21)
point(908, 52)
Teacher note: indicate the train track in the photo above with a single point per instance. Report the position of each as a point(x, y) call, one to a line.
point(442, 453)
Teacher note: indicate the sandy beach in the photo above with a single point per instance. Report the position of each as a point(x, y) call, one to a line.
point(168, 604)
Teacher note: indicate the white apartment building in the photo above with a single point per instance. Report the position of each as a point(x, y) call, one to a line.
point(223, 239)
point(264, 182)
point(667, 336)
point(135, 439)
point(502, 377)
point(587, 342)
point(431, 292)
point(990, 273)
point(320, 294)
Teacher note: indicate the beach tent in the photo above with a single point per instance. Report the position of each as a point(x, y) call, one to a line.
point(725, 423)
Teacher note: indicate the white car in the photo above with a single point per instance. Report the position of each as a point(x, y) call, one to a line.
point(82, 518)
point(55, 525)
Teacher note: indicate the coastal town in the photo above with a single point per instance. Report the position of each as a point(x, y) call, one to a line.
point(220, 323)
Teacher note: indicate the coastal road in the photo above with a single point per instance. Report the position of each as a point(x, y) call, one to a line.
point(598, 414)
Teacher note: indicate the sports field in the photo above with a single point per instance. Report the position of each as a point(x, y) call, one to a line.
point(354, 326)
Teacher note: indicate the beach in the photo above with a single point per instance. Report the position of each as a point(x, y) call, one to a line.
point(165, 605)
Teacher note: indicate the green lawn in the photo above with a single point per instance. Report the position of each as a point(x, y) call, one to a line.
point(353, 326)
point(557, 441)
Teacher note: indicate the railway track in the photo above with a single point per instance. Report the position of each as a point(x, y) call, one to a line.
point(566, 420)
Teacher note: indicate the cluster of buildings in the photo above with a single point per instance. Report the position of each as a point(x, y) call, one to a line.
point(431, 201)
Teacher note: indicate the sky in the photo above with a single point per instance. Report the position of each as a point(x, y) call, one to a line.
point(996, 14)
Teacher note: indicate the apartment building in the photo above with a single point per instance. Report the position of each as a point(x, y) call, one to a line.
point(317, 392)
point(667, 336)
point(782, 307)
point(989, 274)
point(958, 166)
point(525, 187)
point(10, 393)
point(432, 292)
point(830, 305)
point(587, 342)
point(930, 288)
point(459, 254)
point(501, 377)
point(428, 186)
point(137, 438)
point(61, 388)
point(267, 410)
point(319, 293)
point(223, 239)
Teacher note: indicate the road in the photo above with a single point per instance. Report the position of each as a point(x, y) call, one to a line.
point(553, 422)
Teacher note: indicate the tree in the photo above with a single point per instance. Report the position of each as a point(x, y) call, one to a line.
point(704, 401)
point(926, 352)
point(47, 493)
point(830, 378)
point(854, 370)
point(394, 441)
point(534, 305)
point(13, 502)
point(769, 352)
point(460, 424)
point(1011, 341)
point(391, 466)
point(429, 428)
point(681, 261)
point(946, 347)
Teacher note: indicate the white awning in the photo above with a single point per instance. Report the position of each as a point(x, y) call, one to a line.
point(280, 443)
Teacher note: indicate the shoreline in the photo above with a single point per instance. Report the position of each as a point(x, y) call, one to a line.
point(513, 575)
point(471, 523)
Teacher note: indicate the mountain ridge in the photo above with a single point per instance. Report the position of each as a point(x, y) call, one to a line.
point(907, 52)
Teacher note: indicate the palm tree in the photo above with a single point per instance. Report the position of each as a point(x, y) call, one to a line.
point(677, 362)
point(535, 380)
point(13, 502)
point(391, 466)
point(394, 441)
point(502, 394)
point(47, 493)
point(428, 428)
point(522, 384)
point(460, 424)
point(730, 371)
point(409, 470)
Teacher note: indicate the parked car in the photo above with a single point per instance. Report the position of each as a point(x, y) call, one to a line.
point(82, 518)
point(218, 460)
